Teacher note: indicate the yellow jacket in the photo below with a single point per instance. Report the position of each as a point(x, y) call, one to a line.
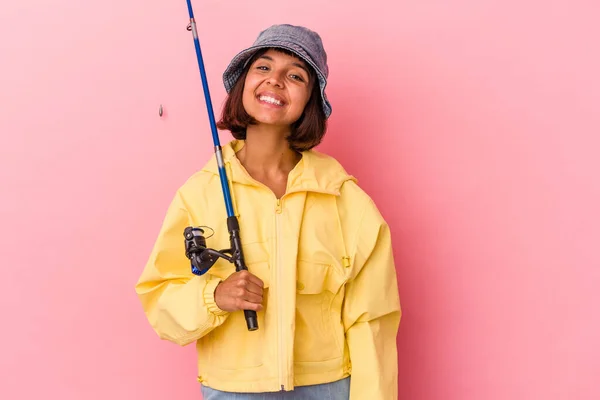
point(324, 253)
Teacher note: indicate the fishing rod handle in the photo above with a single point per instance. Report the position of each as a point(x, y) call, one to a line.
point(233, 227)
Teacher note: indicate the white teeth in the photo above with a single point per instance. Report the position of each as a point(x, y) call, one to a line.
point(270, 100)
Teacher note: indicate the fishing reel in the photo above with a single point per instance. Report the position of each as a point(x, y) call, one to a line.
point(202, 257)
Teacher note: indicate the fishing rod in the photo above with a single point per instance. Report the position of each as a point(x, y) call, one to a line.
point(201, 257)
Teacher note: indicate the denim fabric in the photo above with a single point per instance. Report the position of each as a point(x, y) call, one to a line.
point(339, 390)
point(301, 41)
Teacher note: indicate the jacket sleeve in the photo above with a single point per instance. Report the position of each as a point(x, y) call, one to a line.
point(179, 305)
point(372, 312)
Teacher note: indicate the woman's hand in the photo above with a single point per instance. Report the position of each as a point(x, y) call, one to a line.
point(240, 291)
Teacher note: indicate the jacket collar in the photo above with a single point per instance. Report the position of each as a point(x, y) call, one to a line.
point(315, 172)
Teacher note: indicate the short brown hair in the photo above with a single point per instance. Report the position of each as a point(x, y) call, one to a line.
point(307, 131)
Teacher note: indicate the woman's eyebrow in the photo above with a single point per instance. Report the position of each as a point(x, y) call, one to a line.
point(296, 64)
point(301, 66)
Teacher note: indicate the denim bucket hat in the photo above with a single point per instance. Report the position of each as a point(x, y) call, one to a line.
point(301, 41)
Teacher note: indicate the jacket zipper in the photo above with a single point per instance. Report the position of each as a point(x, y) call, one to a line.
point(280, 302)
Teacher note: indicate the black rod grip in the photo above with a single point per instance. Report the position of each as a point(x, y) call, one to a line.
point(240, 264)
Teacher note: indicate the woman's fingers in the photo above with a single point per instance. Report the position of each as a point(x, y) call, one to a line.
point(240, 291)
point(247, 277)
point(246, 305)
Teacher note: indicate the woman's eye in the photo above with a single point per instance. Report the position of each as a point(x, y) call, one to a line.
point(297, 77)
point(263, 67)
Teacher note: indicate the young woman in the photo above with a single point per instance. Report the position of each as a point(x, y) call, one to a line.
point(321, 274)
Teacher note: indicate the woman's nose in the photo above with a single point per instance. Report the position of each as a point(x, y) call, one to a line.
point(275, 79)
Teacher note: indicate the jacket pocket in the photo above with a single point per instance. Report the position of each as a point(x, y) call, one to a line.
point(319, 332)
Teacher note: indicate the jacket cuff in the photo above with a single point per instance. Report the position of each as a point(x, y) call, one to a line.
point(209, 297)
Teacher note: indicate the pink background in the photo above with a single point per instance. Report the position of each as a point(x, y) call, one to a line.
point(473, 124)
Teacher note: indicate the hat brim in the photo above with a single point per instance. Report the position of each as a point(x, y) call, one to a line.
point(236, 66)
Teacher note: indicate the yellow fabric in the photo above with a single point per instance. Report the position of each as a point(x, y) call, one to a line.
point(324, 252)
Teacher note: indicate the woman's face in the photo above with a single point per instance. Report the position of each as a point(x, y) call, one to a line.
point(276, 88)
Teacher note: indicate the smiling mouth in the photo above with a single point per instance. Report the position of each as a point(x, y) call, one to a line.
point(270, 100)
